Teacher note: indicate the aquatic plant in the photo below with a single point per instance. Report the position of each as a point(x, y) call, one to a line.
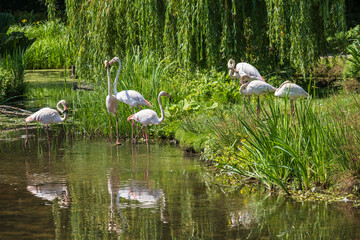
point(301, 151)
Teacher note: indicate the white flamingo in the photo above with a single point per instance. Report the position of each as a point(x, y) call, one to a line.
point(292, 91)
point(148, 116)
point(112, 104)
point(243, 71)
point(129, 97)
point(47, 116)
point(256, 87)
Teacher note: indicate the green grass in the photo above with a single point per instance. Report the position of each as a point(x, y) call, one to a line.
point(50, 50)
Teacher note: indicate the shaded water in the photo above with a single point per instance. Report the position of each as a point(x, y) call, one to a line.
point(92, 190)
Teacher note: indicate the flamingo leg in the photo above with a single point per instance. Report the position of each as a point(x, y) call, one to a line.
point(117, 130)
point(48, 137)
point(258, 105)
point(292, 106)
point(132, 127)
point(139, 132)
point(110, 127)
point(27, 136)
point(146, 131)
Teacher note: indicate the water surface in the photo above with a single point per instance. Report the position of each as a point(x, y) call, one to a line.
point(93, 190)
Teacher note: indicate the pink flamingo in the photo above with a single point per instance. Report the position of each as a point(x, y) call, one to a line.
point(256, 87)
point(129, 97)
point(244, 71)
point(47, 116)
point(292, 91)
point(148, 116)
point(112, 104)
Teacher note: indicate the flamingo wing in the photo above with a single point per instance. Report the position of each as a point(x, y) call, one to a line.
point(45, 116)
point(247, 69)
point(132, 98)
point(112, 104)
point(146, 117)
point(257, 87)
point(293, 90)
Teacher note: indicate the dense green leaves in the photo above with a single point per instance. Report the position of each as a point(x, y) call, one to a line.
point(205, 33)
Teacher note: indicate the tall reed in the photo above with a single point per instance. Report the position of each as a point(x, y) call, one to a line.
point(281, 150)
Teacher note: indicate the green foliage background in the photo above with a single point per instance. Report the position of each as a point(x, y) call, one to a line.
point(204, 33)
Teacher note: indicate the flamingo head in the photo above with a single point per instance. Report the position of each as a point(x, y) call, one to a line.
point(131, 117)
point(106, 63)
point(63, 103)
point(163, 93)
point(231, 64)
point(115, 59)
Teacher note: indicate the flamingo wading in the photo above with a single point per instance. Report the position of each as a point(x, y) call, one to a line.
point(112, 104)
point(129, 97)
point(292, 91)
point(47, 116)
point(148, 116)
point(256, 87)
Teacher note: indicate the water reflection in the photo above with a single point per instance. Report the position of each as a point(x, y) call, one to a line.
point(133, 193)
point(47, 186)
point(97, 191)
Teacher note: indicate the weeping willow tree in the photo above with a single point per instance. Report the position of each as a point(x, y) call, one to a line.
point(203, 33)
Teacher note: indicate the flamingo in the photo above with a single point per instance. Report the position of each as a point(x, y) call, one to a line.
point(129, 97)
point(148, 116)
point(244, 71)
point(112, 104)
point(292, 91)
point(256, 87)
point(47, 116)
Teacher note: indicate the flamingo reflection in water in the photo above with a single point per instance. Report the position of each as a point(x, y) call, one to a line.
point(135, 193)
point(48, 187)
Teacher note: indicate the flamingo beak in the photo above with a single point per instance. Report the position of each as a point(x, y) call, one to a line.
point(148, 103)
point(65, 109)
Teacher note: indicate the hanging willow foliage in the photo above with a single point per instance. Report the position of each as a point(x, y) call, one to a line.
point(203, 33)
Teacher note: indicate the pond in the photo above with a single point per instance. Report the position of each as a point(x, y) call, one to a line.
point(94, 190)
point(78, 189)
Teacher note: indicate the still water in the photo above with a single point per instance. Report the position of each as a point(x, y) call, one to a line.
point(92, 190)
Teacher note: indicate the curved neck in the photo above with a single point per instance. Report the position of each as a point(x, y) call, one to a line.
point(231, 73)
point(282, 85)
point(65, 117)
point(61, 111)
point(117, 77)
point(109, 81)
point(161, 109)
point(243, 88)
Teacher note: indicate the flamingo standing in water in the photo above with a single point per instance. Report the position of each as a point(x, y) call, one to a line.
point(256, 87)
point(47, 116)
point(112, 104)
point(148, 116)
point(292, 91)
point(129, 97)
